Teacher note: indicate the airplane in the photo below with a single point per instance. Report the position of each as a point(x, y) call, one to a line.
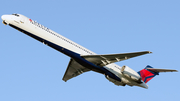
point(83, 60)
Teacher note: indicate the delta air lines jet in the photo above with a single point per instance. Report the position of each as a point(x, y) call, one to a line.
point(83, 60)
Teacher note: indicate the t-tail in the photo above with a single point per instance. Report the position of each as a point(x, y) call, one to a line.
point(149, 72)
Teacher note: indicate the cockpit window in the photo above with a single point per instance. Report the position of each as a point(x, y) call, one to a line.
point(16, 15)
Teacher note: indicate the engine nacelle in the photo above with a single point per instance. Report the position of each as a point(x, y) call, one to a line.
point(131, 74)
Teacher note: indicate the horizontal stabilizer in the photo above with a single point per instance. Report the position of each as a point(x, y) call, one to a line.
point(103, 60)
point(161, 70)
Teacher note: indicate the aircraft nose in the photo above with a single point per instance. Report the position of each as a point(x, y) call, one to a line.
point(5, 19)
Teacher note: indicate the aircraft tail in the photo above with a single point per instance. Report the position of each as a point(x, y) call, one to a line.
point(149, 72)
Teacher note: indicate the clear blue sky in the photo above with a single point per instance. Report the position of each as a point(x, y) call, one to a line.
point(31, 71)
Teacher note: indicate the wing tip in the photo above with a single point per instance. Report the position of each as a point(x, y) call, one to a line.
point(149, 51)
point(146, 52)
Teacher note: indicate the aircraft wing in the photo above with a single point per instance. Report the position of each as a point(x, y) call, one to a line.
point(74, 69)
point(103, 60)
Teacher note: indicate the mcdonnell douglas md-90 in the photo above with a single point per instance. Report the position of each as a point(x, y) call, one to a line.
point(83, 60)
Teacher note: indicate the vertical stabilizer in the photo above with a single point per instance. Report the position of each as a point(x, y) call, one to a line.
point(147, 74)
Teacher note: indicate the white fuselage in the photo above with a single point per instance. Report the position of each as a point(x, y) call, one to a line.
point(47, 36)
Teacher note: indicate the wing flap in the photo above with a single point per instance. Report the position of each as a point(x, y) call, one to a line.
point(74, 69)
point(103, 60)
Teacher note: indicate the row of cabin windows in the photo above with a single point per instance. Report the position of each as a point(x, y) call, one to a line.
point(68, 41)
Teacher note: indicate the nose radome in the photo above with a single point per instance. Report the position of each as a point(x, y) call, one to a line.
point(3, 17)
point(6, 17)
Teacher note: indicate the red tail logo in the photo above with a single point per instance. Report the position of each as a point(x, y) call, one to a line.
point(147, 75)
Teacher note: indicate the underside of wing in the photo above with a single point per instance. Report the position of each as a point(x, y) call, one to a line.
point(103, 60)
point(74, 69)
